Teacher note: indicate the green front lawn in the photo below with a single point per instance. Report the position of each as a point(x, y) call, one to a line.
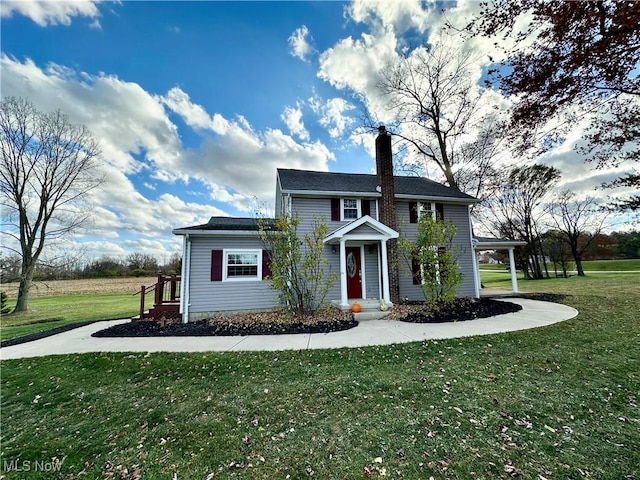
point(46, 313)
point(557, 402)
point(588, 265)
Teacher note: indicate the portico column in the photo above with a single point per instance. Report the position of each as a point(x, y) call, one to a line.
point(385, 274)
point(512, 268)
point(343, 274)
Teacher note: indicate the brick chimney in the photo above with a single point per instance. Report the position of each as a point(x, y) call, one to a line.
point(384, 169)
point(387, 210)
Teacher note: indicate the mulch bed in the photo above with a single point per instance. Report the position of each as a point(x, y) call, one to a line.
point(329, 320)
point(459, 310)
point(260, 323)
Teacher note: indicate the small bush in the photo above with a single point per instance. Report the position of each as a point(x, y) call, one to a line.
point(4, 309)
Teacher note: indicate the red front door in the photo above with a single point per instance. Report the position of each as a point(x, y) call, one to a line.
point(354, 280)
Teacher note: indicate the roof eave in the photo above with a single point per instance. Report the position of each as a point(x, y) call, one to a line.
point(434, 198)
point(499, 245)
point(214, 233)
point(324, 193)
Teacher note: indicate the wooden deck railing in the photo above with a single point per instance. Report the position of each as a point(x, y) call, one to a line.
point(166, 294)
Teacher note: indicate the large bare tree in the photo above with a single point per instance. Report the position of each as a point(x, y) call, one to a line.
point(516, 211)
point(435, 103)
point(579, 221)
point(48, 166)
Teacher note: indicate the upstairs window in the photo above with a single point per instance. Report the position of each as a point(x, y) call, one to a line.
point(418, 209)
point(427, 208)
point(347, 209)
point(350, 208)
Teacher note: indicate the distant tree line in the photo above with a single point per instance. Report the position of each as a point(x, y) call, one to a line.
point(135, 264)
point(558, 259)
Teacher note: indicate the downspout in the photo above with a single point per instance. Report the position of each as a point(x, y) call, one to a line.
point(186, 278)
point(474, 259)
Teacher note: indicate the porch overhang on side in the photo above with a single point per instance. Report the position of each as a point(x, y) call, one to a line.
point(481, 244)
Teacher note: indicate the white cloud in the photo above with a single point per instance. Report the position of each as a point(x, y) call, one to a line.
point(236, 163)
point(193, 115)
point(239, 164)
point(333, 114)
point(355, 65)
point(245, 162)
point(292, 117)
point(300, 43)
point(126, 119)
point(399, 15)
point(48, 12)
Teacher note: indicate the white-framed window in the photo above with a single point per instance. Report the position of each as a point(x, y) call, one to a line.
point(242, 265)
point(427, 208)
point(350, 208)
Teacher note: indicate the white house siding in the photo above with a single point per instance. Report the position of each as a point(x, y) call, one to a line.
point(459, 215)
point(207, 297)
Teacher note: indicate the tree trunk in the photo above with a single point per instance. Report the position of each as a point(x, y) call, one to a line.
point(26, 279)
point(579, 266)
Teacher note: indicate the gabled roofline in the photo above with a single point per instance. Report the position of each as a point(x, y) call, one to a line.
point(384, 231)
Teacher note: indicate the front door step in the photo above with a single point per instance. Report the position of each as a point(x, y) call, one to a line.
point(370, 315)
point(369, 310)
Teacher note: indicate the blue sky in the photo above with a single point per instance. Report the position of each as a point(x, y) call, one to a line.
point(197, 103)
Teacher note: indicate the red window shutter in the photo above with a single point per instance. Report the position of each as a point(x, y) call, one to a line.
point(439, 212)
point(366, 207)
point(415, 269)
point(335, 209)
point(216, 265)
point(413, 212)
point(266, 264)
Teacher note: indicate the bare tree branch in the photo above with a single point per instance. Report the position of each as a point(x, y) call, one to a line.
point(48, 166)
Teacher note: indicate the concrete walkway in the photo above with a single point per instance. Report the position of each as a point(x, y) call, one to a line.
point(373, 332)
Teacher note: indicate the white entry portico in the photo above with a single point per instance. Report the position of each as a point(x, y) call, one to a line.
point(365, 230)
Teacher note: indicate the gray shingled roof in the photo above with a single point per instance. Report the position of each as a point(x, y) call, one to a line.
point(307, 180)
point(230, 223)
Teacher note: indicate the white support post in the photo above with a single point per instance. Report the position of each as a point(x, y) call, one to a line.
point(385, 274)
point(477, 283)
point(343, 274)
point(512, 268)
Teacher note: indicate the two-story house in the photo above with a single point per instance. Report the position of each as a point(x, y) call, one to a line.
point(225, 267)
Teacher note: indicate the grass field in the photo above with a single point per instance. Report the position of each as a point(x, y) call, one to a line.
point(558, 402)
point(63, 302)
point(591, 266)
